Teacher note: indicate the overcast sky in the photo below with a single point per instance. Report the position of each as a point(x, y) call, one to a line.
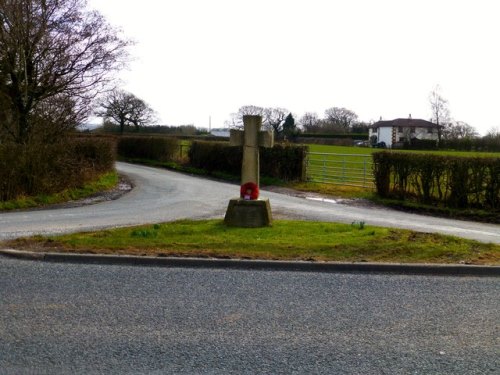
point(199, 58)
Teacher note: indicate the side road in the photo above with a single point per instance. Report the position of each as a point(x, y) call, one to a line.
point(162, 196)
point(302, 266)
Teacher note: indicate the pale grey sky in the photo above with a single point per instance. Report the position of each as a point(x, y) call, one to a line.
point(199, 58)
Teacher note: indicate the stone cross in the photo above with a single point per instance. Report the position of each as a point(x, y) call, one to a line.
point(251, 138)
point(242, 212)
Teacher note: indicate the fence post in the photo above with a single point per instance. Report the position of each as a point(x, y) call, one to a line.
point(305, 167)
point(364, 172)
point(323, 174)
point(343, 169)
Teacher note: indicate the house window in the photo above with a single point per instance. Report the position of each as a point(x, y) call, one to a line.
point(412, 130)
point(430, 130)
point(400, 129)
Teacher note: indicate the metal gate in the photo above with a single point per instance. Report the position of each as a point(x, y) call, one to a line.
point(340, 169)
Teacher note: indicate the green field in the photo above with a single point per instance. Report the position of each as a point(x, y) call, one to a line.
point(369, 151)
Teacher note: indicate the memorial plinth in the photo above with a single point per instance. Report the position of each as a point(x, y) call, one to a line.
point(248, 213)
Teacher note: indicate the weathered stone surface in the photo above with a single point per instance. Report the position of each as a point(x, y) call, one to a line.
point(248, 213)
point(251, 139)
point(266, 138)
point(235, 137)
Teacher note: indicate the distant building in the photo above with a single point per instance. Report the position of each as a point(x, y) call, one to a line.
point(396, 132)
point(222, 132)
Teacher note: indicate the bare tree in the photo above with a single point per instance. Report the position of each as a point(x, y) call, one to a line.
point(142, 114)
point(440, 110)
point(309, 121)
point(459, 130)
point(236, 120)
point(494, 132)
point(274, 119)
point(124, 108)
point(251, 110)
point(53, 54)
point(341, 117)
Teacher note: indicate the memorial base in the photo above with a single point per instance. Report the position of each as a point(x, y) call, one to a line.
point(248, 214)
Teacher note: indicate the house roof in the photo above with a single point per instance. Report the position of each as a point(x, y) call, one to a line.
point(405, 123)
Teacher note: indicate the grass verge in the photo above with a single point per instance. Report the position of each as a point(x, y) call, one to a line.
point(285, 240)
point(103, 183)
point(340, 191)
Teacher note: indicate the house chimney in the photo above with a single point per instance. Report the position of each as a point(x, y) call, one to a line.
point(409, 116)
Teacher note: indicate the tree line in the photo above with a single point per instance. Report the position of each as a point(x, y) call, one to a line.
point(337, 120)
point(340, 120)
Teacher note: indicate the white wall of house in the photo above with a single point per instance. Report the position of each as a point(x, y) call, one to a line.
point(220, 132)
point(385, 135)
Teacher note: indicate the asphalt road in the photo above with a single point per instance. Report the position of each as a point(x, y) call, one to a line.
point(89, 319)
point(161, 195)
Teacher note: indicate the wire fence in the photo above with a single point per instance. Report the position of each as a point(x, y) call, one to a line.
point(340, 169)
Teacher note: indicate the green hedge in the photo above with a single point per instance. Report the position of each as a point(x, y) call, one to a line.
point(285, 162)
point(485, 144)
point(455, 182)
point(28, 170)
point(421, 144)
point(153, 148)
point(354, 136)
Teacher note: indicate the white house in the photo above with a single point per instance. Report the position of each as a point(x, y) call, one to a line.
point(395, 132)
point(222, 132)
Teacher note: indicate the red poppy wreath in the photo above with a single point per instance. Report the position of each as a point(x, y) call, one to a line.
point(249, 191)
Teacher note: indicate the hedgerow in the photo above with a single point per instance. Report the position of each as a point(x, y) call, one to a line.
point(31, 169)
point(153, 148)
point(450, 181)
point(285, 162)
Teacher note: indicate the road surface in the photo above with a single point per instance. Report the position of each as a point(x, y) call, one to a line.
point(160, 195)
point(102, 319)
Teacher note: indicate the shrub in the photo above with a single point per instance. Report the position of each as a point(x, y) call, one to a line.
point(285, 162)
point(153, 148)
point(215, 156)
point(35, 168)
point(382, 173)
point(421, 144)
point(486, 144)
point(455, 182)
